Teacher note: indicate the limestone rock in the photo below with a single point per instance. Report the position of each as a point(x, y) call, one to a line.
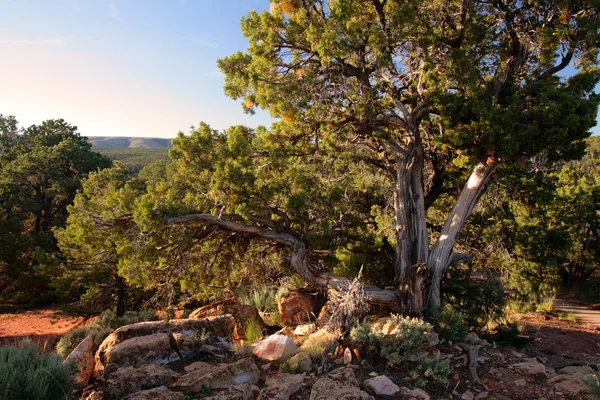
point(129, 380)
point(195, 365)
point(571, 386)
point(275, 348)
point(420, 394)
point(281, 387)
point(296, 307)
point(531, 367)
point(576, 370)
point(347, 356)
point(305, 330)
point(340, 384)
point(245, 391)
point(216, 327)
point(159, 393)
point(468, 395)
point(219, 377)
point(241, 313)
point(83, 357)
point(300, 362)
point(382, 386)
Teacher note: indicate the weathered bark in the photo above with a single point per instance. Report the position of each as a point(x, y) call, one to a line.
point(441, 255)
point(409, 206)
point(394, 300)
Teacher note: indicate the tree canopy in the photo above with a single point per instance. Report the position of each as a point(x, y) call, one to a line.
point(40, 171)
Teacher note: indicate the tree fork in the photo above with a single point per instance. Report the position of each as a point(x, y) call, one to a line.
point(441, 256)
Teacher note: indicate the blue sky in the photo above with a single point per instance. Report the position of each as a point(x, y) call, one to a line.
point(122, 67)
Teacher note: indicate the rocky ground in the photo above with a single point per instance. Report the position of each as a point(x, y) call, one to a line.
point(204, 357)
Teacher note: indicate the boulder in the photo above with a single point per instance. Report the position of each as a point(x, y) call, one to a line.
point(195, 365)
point(576, 370)
point(159, 393)
point(300, 362)
point(281, 387)
point(221, 376)
point(174, 331)
point(128, 380)
point(382, 386)
point(305, 329)
point(275, 348)
point(340, 384)
point(244, 391)
point(531, 367)
point(296, 307)
point(150, 349)
point(83, 358)
point(570, 386)
point(241, 313)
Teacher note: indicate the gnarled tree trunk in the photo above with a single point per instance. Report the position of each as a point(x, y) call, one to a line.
point(441, 255)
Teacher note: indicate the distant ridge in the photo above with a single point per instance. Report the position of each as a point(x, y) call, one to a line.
point(123, 142)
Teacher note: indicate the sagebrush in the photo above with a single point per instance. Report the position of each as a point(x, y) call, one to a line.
point(26, 374)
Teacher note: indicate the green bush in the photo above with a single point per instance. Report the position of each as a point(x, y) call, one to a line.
point(407, 341)
point(449, 324)
point(265, 299)
point(253, 331)
point(592, 381)
point(100, 328)
point(26, 374)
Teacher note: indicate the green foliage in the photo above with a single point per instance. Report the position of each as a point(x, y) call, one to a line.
point(288, 368)
point(511, 333)
point(40, 172)
point(100, 328)
point(137, 159)
point(253, 331)
point(592, 382)
point(407, 342)
point(449, 323)
point(265, 299)
point(27, 374)
point(95, 242)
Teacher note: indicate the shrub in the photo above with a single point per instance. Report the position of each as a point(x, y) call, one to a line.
point(27, 374)
point(253, 331)
point(407, 342)
point(317, 342)
point(100, 328)
point(265, 299)
point(592, 381)
point(449, 324)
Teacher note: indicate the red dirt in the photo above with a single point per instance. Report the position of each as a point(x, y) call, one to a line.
point(40, 325)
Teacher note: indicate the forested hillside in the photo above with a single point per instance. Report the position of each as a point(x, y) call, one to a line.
point(135, 158)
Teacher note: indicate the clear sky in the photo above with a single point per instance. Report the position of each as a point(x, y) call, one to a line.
point(122, 67)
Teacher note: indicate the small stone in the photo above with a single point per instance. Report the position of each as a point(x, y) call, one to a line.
point(347, 356)
point(305, 330)
point(468, 395)
point(382, 386)
point(531, 367)
point(420, 394)
point(281, 387)
point(482, 395)
point(520, 382)
point(265, 367)
point(275, 348)
point(491, 384)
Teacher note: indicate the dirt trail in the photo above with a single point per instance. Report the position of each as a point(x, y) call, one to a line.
point(40, 325)
point(582, 312)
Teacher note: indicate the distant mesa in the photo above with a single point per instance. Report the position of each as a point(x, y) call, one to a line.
point(123, 142)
